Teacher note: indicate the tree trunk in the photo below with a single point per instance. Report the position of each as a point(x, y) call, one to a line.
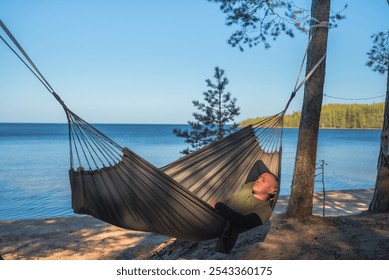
point(301, 199)
point(380, 201)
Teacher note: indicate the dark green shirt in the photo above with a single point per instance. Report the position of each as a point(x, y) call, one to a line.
point(245, 203)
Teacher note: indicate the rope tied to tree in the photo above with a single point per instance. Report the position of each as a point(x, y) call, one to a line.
point(298, 86)
point(319, 24)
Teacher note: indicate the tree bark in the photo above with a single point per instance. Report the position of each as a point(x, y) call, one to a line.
point(301, 199)
point(380, 200)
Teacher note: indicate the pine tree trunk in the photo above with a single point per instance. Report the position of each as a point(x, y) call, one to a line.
point(301, 199)
point(380, 200)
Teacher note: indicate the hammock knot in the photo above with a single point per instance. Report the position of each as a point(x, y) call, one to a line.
point(319, 24)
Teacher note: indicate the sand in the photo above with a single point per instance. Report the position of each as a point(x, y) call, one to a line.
point(346, 232)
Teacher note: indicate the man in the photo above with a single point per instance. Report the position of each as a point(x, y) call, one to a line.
point(249, 208)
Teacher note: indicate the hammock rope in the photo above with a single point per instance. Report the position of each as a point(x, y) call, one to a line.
point(114, 184)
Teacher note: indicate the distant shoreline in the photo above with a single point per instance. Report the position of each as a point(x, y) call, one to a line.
point(340, 128)
point(343, 116)
point(170, 124)
point(327, 128)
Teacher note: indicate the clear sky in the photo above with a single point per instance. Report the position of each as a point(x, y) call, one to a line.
point(134, 61)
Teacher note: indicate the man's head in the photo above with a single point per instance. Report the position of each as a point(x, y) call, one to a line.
point(266, 185)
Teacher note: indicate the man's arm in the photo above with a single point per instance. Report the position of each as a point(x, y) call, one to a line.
point(242, 222)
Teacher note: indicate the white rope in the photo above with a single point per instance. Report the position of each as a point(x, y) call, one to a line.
point(324, 24)
point(298, 85)
point(345, 98)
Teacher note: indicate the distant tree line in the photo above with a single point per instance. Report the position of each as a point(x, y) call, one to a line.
point(339, 116)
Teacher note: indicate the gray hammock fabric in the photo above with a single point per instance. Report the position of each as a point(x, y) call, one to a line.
point(172, 201)
point(116, 185)
point(220, 169)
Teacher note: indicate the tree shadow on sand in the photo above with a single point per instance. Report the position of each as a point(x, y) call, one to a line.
point(352, 234)
point(205, 250)
point(72, 238)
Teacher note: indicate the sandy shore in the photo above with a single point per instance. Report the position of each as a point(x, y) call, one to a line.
point(343, 233)
point(334, 203)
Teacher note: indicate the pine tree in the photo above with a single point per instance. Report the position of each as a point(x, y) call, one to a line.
point(379, 62)
point(212, 119)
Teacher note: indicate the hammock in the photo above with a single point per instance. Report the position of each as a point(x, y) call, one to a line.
point(115, 185)
point(132, 193)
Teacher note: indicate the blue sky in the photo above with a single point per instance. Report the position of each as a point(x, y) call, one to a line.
point(145, 61)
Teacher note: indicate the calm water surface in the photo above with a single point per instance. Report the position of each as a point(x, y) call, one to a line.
point(34, 162)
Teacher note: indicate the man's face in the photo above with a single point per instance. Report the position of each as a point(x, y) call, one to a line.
point(265, 184)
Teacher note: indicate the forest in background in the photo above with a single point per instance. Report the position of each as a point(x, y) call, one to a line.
point(339, 116)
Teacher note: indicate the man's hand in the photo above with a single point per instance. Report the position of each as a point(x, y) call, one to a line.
point(212, 203)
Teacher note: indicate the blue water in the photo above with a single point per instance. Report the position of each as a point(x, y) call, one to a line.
point(34, 162)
